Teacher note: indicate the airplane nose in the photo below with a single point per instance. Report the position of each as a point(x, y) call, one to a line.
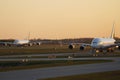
point(94, 45)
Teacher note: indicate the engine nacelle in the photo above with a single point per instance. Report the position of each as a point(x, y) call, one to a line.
point(82, 47)
point(119, 47)
point(71, 46)
point(30, 44)
point(38, 43)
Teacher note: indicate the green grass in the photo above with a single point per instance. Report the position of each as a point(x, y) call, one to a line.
point(18, 65)
point(36, 50)
point(110, 75)
point(43, 49)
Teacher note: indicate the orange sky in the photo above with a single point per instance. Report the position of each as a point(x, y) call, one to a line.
point(57, 19)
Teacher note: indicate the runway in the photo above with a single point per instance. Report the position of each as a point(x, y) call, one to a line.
point(34, 74)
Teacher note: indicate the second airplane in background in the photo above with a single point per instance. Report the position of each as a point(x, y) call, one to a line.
point(17, 42)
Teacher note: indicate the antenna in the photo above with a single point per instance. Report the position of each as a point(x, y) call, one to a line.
point(113, 31)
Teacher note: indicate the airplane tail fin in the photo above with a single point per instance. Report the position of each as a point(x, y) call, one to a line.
point(113, 31)
point(28, 36)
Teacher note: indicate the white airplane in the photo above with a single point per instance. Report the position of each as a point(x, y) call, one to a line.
point(21, 42)
point(101, 44)
point(25, 43)
point(17, 42)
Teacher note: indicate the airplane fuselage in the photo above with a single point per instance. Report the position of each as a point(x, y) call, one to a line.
point(101, 43)
point(20, 42)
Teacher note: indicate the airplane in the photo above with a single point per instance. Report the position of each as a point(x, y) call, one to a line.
point(17, 42)
point(25, 42)
point(21, 43)
point(101, 44)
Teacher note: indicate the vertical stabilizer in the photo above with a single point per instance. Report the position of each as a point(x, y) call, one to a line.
point(28, 36)
point(113, 31)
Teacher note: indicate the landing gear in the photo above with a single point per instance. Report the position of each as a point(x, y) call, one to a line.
point(102, 52)
point(110, 50)
point(94, 52)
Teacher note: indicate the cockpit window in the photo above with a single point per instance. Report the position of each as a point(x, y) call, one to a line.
point(94, 42)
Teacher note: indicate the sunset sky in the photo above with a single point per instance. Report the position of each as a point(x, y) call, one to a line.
point(58, 19)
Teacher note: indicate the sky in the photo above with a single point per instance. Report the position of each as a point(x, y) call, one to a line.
point(58, 19)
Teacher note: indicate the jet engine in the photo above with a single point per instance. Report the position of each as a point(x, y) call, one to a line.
point(38, 43)
point(71, 46)
point(30, 44)
point(82, 48)
point(119, 47)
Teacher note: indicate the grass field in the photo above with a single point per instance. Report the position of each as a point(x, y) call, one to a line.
point(42, 49)
point(18, 65)
point(110, 75)
point(36, 50)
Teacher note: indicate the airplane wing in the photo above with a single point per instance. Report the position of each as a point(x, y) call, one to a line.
point(82, 45)
point(5, 43)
